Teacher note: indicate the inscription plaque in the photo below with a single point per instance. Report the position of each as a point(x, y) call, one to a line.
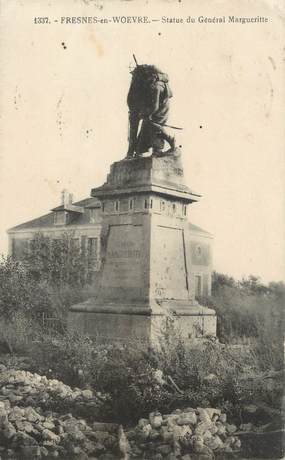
point(123, 267)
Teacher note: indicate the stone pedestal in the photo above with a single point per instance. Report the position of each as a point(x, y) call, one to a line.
point(145, 253)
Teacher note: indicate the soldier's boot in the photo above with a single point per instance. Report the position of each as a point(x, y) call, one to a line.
point(171, 141)
point(131, 151)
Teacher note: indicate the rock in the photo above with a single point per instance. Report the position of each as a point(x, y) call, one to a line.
point(165, 434)
point(31, 415)
point(44, 451)
point(171, 456)
point(70, 425)
point(31, 452)
point(155, 419)
point(172, 420)
point(8, 430)
point(145, 431)
point(16, 414)
point(7, 404)
point(182, 433)
point(202, 427)
point(214, 443)
point(49, 425)
point(207, 435)
point(237, 444)
point(187, 418)
point(21, 439)
point(204, 452)
point(211, 412)
point(177, 411)
point(164, 449)
point(154, 434)
point(74, 437)
point(223, 418)
point(203, 415)
point(50, 436)
point(88, 394)
point(231, 428)
point(229, 441)
point(142, 422)
point(102, 436)
point(19, 425)
point(28, 427)
point(109, 427)
point(221, 429)
point(158, 456)
point(3, 416)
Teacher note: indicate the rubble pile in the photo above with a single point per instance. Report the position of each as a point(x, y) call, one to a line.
point(27, 431)
point(25, 388)
point(189, 434)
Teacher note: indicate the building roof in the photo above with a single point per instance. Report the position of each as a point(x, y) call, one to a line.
point(44, 221)
point(86, 203)
point(195, 228)
point(79, 218)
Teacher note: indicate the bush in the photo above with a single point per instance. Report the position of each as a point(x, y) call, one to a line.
point(58, 261)
point(22, 300)
point(203, 374)
point(70, 357)
point(250, 312)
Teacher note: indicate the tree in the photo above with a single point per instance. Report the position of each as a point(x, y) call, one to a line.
point(21, 297)
point(59, 261)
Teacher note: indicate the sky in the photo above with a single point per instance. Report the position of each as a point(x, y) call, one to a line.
point(64, 116)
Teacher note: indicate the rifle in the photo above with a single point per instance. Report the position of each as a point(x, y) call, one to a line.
point(135, 60)
point(160, 125)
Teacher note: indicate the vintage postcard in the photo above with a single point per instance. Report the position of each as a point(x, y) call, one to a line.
point(142, 189)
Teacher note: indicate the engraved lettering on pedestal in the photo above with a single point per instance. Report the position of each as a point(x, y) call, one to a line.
point(123, 266)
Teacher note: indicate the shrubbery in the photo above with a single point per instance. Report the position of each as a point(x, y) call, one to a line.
point(50, 277)
point(252, 313)
point(174, 375)
point(139, 381)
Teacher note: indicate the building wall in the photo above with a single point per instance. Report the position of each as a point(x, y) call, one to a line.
point(19, 241)
point(199, 243)
point(201, 263)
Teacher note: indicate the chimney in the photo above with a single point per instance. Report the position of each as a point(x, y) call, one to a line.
point(66, 197)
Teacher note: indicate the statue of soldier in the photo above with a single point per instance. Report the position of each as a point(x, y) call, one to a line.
point(148, 100)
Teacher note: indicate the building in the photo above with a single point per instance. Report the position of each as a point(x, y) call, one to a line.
point(83, 219)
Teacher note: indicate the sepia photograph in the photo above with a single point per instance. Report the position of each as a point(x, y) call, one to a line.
point(142, 250)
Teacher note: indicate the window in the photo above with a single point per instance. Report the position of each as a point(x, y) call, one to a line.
point(174, 208)
point(59, 218)
point(198, 286)
point(103, 207)
point(92, 248)
point(75, 244)
point(150, 203)
point(117, 206)
point(184, 210)
point(93, 213)
point(162, 205)
point(20, 248)
point(131, 204)
point(145, 204)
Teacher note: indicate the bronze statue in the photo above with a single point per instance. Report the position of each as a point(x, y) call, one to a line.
point(148, 101)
